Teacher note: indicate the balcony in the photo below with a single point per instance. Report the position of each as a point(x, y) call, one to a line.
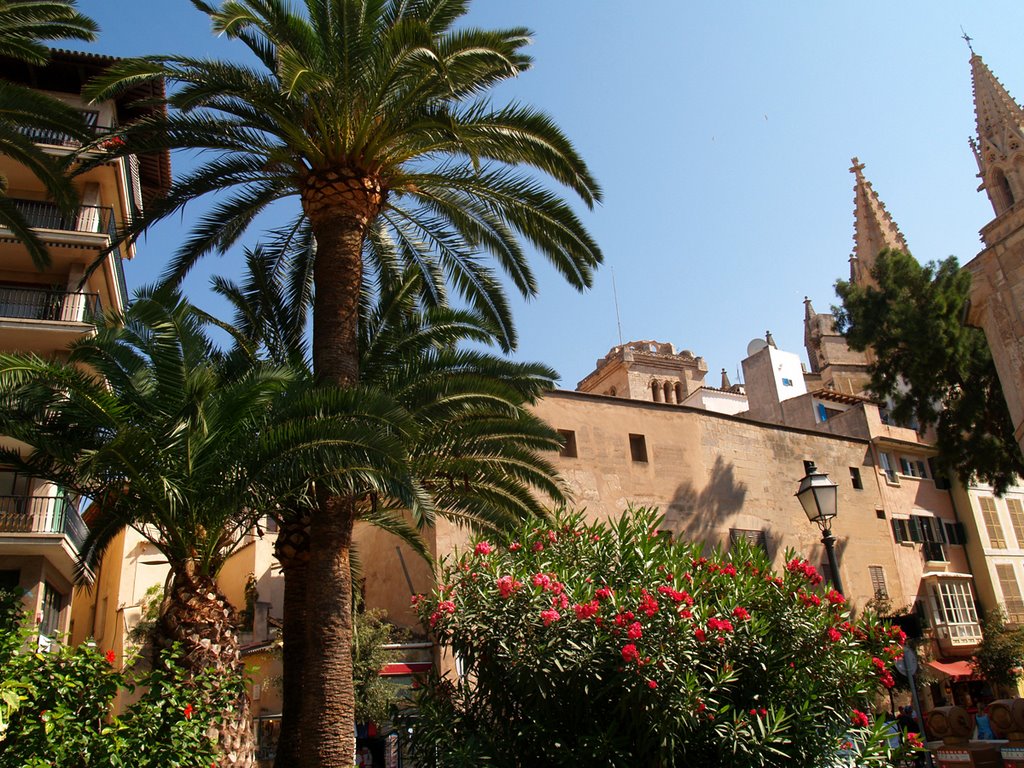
point(92, 219)
point(42, 515)
point(57, 138)
point(23, 303)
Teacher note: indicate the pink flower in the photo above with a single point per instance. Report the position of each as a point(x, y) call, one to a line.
point(552, 537)
point(537, 547)
point(635, 631)
point(549, 616)
point(859, 719)
point(741, 613)
point(484, 548)
point(446, 606)
point(417, 599)
point(914, 739)
point(630, 653)
point(541, 580)
point(586, 610)
point(508, 585)
point(515, 546)
point(560, 601)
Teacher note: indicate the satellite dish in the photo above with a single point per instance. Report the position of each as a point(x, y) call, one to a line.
point(755, 346)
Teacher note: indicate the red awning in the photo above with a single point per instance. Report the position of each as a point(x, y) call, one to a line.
point(407, 668)
point(953, 668)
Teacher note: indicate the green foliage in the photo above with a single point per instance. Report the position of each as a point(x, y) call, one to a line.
point(63, 714)
point(934, 369)
point(375, 696)
point(1000, 655)
point(149, 605)
point(609, 644)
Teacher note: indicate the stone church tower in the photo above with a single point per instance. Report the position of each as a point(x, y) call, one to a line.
point(997, 290)
point(833, 364)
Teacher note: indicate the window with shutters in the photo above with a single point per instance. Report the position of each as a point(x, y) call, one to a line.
point(754, 537)
point(996, 537)
point(901, 529)
point(889, 468)
point(1013, 605)
point(1016, 509)
point(878, 587)
point(955, 533)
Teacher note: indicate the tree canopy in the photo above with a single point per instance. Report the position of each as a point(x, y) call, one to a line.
point(932, 368)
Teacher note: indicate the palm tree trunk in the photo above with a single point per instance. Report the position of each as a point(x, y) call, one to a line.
point(202, 621)
point(340, 205)
point(292, 551)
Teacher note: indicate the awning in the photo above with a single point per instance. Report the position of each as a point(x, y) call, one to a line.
point(953, 668)
point(407, 668)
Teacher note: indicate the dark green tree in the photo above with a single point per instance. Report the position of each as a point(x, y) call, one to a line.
point(1000, 655)
point(933, 369)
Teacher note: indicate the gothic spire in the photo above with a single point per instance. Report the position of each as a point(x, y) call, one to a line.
point(725, 380)
point(1000, 125)
point(873, 228)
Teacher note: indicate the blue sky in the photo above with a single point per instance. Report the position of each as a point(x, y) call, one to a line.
point(722, 134)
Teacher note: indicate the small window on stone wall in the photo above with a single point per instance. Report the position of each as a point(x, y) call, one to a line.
point(638, 447)
point(855, 478)
point(569, 439)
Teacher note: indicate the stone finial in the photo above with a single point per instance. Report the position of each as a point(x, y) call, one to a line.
point(874, 229)
point(769, 339)
point(809, 312)
point(725, 380)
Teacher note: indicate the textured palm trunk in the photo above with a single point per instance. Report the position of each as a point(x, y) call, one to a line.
point(292, 551)
point(340, 205)
point(202, 621)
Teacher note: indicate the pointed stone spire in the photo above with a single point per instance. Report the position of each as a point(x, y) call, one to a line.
point(809, 312)
point(725, 380)
point(873, 228)
point(1000, 124)
point(768, 338)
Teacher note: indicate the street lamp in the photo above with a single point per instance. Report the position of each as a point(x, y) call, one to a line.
point(817, 494)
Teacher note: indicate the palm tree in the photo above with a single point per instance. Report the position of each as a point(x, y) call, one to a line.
point(25, 25)
point(374, 115)
point(476, 448)
point(182, 443)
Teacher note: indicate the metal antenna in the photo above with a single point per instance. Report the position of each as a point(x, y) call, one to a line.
point(968, 39)
point(615, 293)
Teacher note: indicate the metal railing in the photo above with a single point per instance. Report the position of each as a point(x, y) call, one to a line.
point(48, 304)
point(61, 139)
point(98, 219)
point(42, 514)
point(934, 551)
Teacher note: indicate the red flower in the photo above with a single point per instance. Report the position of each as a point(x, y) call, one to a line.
point(446, 606)
point(729, 570)
point(685, 613)
point(635, 631)
point(111, 657)
point(549, 616)
point(604, 593)
point(741, 613)
point(648, 604)
point(508, 585)
point(699, 634)
point(914, 739)
point(652, 684)
point(719, 625)
point(859, 719)
point(552, 537)
point(541, 580)
point(586, 610)
point(515, 546)
point(835, 598)
point(630, 653)
point(701, 706)
point(560, 601)
point(537, 547)
point(187, 712)
point(484, 548)
point(834, 635)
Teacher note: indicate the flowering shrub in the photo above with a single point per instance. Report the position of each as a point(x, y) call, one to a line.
point(57, 707)
point(608, 644)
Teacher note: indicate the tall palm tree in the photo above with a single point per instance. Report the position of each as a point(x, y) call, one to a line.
point(476, 448)
point(25, 27)
point(374, 115)
point(183, 444)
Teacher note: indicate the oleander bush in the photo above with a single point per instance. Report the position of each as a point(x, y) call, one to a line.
point(613, 644)
point(56, 706)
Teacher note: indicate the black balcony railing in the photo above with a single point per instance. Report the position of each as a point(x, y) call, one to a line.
point(61, 139)
point(96, 219)
point(42, 514)
point(48, 304)
point(934, 551)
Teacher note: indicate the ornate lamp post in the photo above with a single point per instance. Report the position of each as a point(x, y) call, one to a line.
point(817, 494)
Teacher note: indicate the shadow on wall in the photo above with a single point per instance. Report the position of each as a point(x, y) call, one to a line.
point(702, 516)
